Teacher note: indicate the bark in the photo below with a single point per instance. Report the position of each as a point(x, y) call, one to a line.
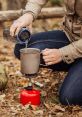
point(46, 13)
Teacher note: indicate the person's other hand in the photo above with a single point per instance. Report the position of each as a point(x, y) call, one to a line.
point(24, 21)
point(51, 56)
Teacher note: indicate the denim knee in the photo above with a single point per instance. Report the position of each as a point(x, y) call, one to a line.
point(17, 49)
point(16, 52)
point(67, 97)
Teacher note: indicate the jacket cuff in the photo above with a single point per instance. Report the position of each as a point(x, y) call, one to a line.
point(30, 12)
point(33, 8)
point(67, 54)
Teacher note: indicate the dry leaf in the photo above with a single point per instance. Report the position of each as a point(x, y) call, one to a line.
point(43, 93)
point(79, 114)
point(59, 114)
point(38, 112)
point(59, 108)
point(33, 107)
point(2, 98)
point(47, 106)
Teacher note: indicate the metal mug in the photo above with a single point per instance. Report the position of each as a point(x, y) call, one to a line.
point(30, 60)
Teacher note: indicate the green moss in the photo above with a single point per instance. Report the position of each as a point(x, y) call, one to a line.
point(56, 2)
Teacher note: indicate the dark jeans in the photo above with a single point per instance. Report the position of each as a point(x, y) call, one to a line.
point(71, 89)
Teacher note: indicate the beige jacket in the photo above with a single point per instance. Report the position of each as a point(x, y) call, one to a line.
point(70, 26)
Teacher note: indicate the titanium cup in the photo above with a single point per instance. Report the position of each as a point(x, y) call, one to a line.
point(30, 60)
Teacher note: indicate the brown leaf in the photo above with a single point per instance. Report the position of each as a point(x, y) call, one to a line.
point(43, 93)
point(59, 108)
point(38, 112)
point(80, 114)
point(59, 114)
point(47, 105)
point(33, 107)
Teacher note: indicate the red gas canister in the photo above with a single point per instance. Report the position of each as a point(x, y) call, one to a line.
point(30, 97)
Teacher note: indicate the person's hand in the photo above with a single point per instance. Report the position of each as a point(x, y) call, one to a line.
point(24, 21)
point(51, 56)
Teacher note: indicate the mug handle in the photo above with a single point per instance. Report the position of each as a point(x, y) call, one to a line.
point(43, 61)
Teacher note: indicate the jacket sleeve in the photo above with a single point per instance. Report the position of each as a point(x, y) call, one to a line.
point(35, 6)
point(72, 51)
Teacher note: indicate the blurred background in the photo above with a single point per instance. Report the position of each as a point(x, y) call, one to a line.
point(18, 4)
point(9, 102)
point(9, 99)
point(38, 26)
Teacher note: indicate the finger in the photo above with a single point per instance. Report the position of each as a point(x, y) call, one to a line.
point(45, 50)
point(52, 62)
point(17, 30)
point(49, 63)
point(46, 53)
point(46, 58)
point(13, 29)
point(29, 27)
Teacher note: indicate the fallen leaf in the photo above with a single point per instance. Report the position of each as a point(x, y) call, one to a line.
point(59, 114)
point(79, 114)
point(43, 93)
point(59, 108)
point(33, 107)
point(38, 112)
point(47, 106)
point(2, 97)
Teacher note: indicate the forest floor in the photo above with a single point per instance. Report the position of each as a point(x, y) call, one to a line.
point(50, 106)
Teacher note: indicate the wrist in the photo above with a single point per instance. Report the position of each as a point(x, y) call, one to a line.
point(30, 16)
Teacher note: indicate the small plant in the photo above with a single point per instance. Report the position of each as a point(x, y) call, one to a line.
point(56, 2)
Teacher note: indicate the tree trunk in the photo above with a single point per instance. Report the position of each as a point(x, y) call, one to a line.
point(12, 4)
point(46, 13)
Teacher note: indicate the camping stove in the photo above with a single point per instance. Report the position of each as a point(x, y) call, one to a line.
point(30, 61)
